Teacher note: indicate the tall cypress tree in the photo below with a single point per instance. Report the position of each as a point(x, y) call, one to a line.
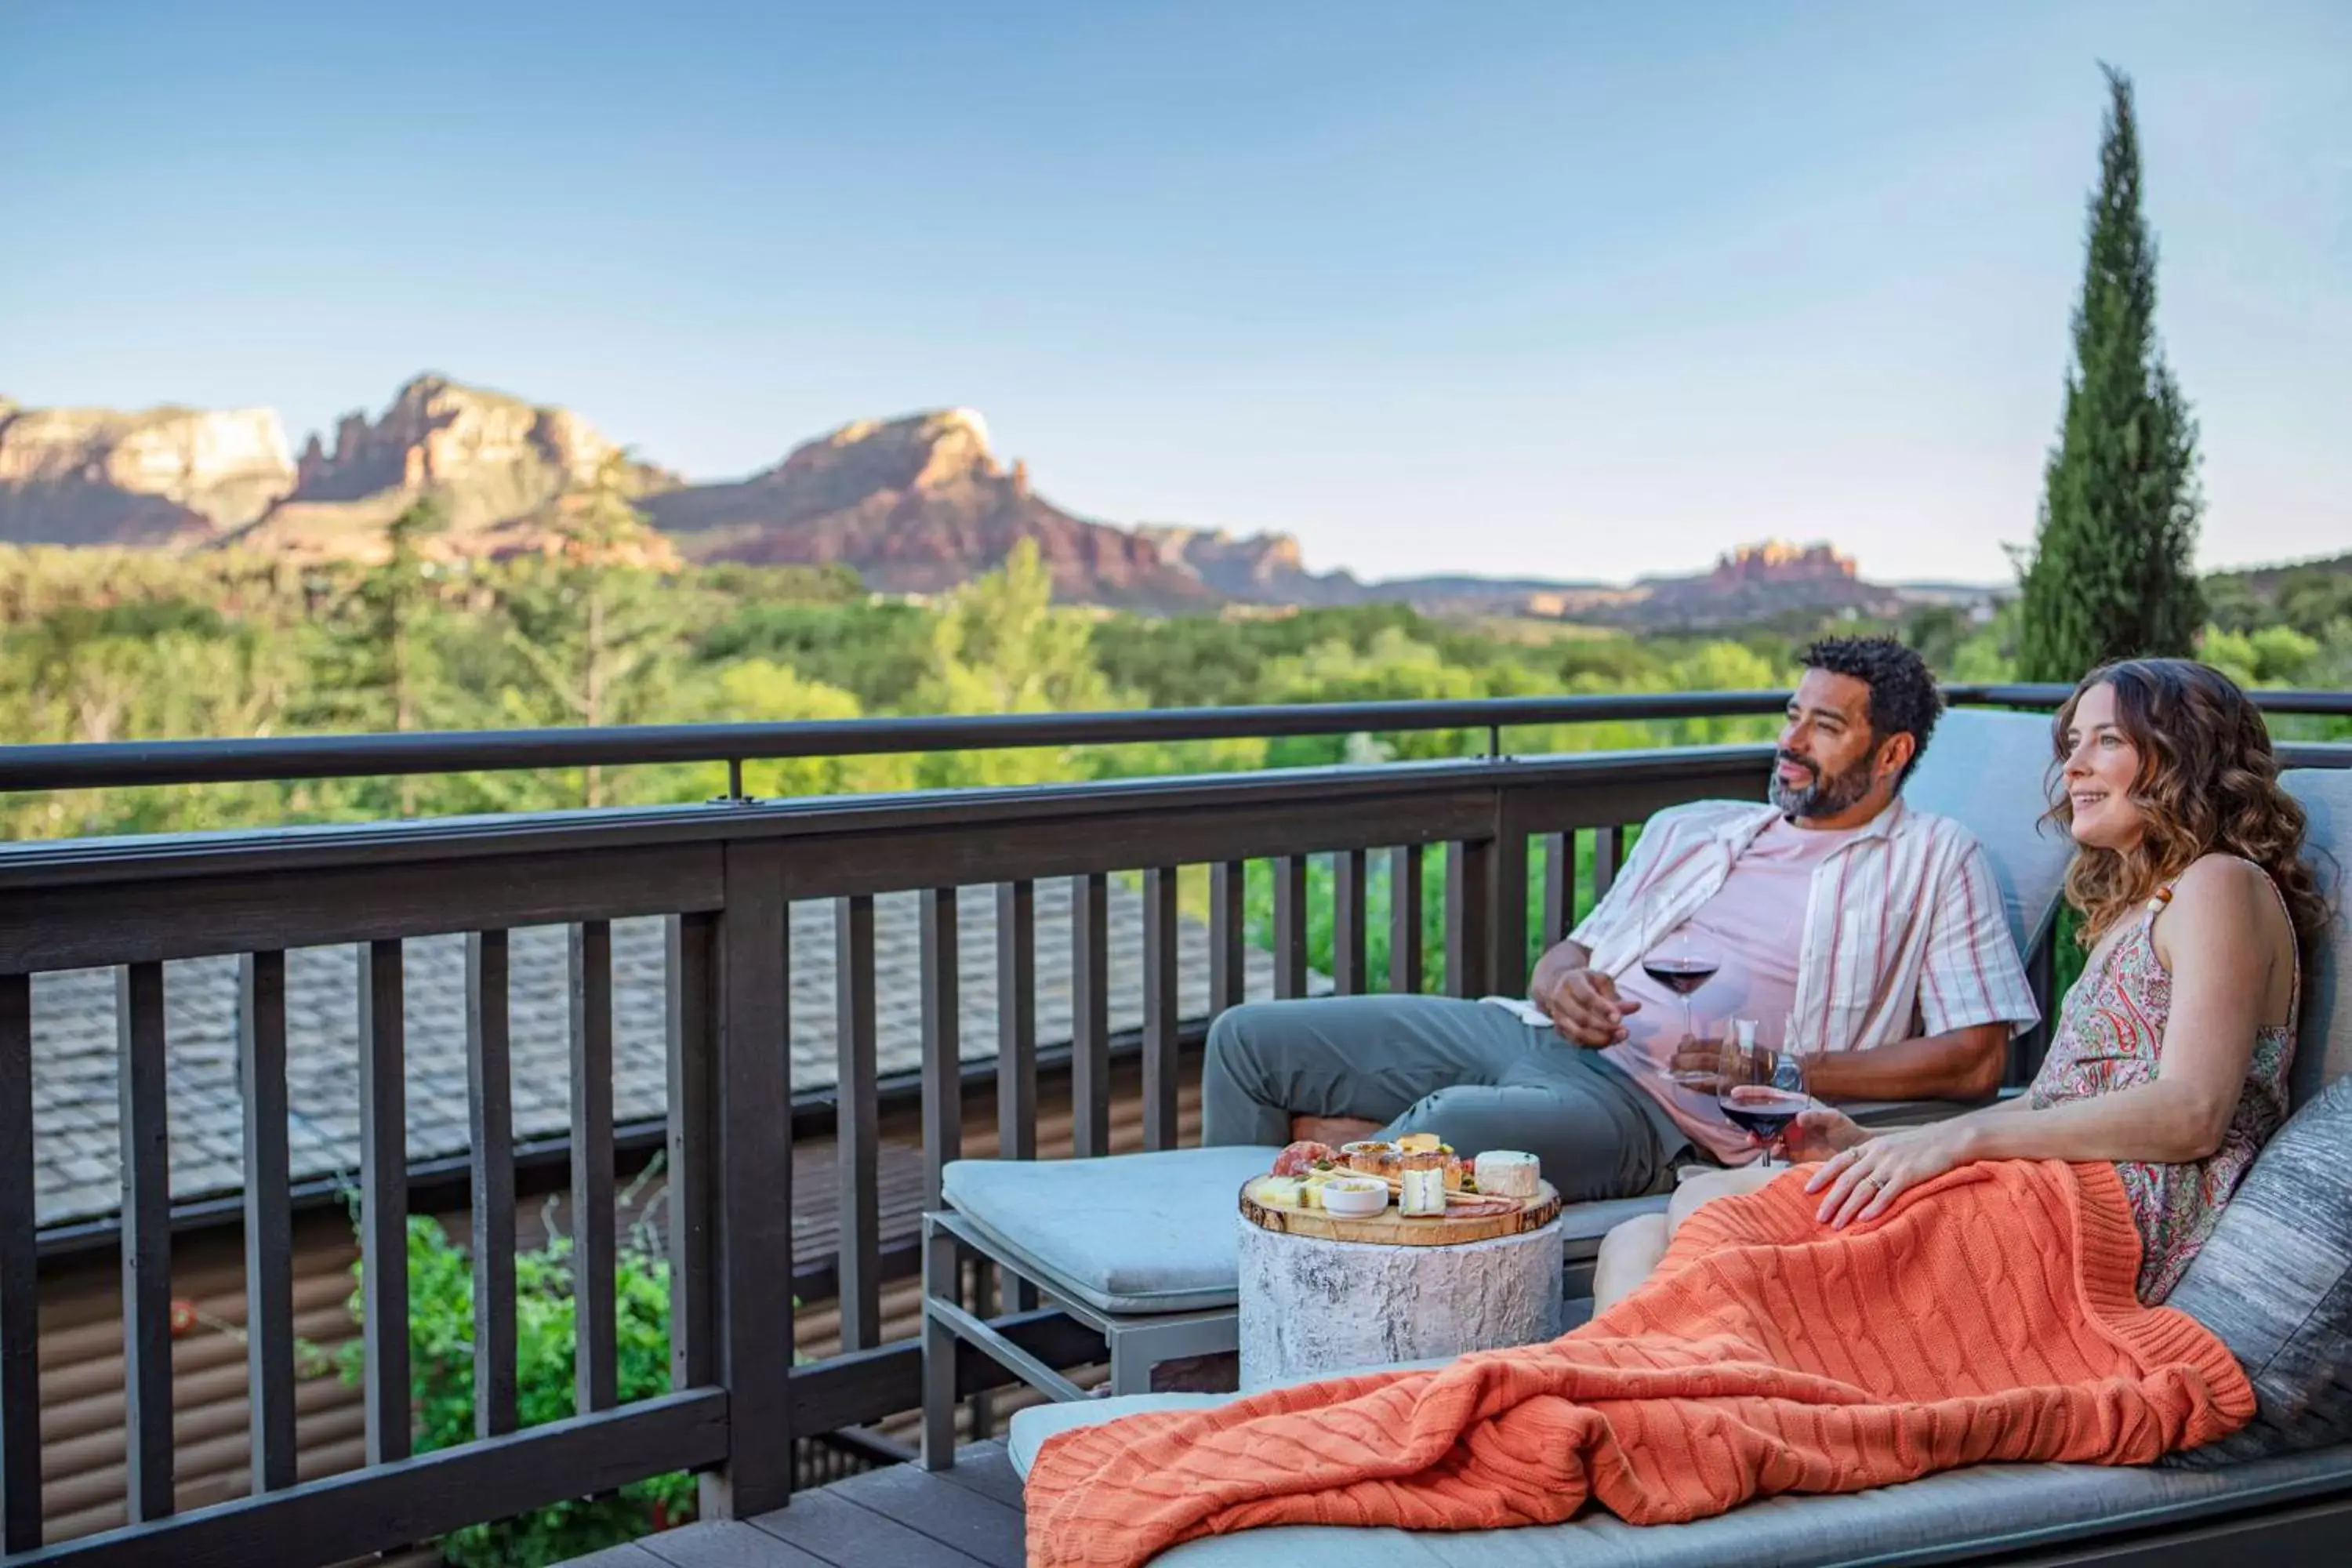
point(2112, 575)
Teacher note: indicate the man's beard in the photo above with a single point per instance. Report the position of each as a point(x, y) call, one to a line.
point(1822, 796)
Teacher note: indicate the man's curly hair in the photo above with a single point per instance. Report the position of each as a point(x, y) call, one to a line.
point(1903, 696)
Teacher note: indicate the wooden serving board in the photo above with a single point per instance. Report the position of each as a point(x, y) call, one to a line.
point(1390, 1228)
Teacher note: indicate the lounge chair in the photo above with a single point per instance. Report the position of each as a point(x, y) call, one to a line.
point(2287, 1314)
point(1140, 1246)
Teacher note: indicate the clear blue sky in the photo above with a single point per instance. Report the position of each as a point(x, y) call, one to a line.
point(1547, 288)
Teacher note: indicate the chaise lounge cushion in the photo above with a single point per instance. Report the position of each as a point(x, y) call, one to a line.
point(1982, 1509)
point(1131, 1233)
point(1986, 771)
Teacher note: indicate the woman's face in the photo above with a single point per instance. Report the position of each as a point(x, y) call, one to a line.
point(2102, 765)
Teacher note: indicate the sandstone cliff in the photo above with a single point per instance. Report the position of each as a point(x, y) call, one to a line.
point(162, 476)
point(1261, 568)
point(498, 468)
point(916, 505)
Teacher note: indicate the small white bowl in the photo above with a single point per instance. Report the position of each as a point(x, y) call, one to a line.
point(1352, 1201)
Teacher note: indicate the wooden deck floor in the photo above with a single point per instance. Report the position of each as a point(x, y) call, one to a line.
point(899, 1517)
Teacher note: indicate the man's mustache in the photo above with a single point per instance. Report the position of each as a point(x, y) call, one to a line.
point(1792, 758)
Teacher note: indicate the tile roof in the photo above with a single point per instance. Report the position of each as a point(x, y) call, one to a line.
point(75, 1142)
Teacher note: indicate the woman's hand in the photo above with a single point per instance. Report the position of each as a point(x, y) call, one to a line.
point(1818, 1134)
point(1861, 1181)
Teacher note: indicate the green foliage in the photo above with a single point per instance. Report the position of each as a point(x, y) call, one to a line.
point(1321, 873)
point(441, 1329)
point(2111, 571)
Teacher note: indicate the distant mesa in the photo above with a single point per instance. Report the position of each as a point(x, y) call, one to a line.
point(914, 505)
point(499, 469)
point(161, 477)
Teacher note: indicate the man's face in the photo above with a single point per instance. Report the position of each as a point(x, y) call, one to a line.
point(1824, 766)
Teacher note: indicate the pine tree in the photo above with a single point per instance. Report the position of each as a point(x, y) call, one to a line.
point(380, 666)
point(595, 629)
point(2112, 575)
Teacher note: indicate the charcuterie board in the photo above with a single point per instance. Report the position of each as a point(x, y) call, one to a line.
point(1390, 1228)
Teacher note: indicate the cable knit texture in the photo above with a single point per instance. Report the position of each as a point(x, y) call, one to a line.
point(1989, 1315)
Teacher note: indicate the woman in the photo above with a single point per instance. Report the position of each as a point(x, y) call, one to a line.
point(2170, 1055)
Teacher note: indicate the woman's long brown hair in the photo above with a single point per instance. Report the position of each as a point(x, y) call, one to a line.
point(2208, 782)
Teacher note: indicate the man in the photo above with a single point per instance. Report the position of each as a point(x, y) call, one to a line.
point(1877, 929)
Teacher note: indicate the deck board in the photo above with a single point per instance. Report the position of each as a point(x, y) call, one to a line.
point(828, 1525)
point(722, 1544)
point(901, 1516)
point(987, 1468)
point(963, 1518)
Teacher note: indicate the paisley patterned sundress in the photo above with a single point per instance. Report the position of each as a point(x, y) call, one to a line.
point(2110, 1031)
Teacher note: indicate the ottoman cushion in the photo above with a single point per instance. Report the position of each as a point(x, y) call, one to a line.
point(1127, 1233)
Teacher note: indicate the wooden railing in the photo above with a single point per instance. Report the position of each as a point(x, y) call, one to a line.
point(723, 876)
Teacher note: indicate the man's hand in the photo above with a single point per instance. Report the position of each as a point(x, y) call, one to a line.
point(1697, 1065)
point(1585, 1008)
point(1820, 1134)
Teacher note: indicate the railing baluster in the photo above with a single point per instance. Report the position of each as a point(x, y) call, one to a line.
point(1160, 1008)
point(1559, 888)
point(856, 1124)
point(594, 1352)
point(1608, 860)
point(1469, 929)
point(1089, 1015)
point(942, 1043)
point(269, 1220)
point(1506, 946)
point(489, 1114)
point(1348, 888)
point(752, 1114)
point(1228, 919)
point(384, 1200)
point(20, 1313)
point(1016, 1045)
point(146, 1240)
point(692, 1049)
point(1290, 926)
point(1404, 918)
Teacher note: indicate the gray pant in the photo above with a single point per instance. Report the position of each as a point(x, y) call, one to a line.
point(1473, 1074)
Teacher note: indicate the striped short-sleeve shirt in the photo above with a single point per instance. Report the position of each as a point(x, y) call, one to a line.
point(1903, 932)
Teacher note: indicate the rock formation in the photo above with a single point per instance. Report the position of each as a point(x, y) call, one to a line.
point(916, 505)
point(162, 476)
point(499, 468)
point(1262, 568)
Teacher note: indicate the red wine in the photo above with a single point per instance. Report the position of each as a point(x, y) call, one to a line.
point(1762, 1109)
point(1680, 975)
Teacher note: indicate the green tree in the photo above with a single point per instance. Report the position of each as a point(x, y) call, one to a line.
point(1000, 646)
point(2111, 571)
point(596, 633)
point(379, 662)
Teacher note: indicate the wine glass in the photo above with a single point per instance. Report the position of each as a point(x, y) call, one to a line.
point(1761, 1091)
point(1682, 963)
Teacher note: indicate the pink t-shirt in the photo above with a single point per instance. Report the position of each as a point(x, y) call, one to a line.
point(1753, 926)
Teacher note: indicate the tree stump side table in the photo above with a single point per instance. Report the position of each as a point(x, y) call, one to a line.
point(1311, 1307)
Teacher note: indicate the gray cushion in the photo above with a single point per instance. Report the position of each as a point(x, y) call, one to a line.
point(1582, 1225)
point(1977, 1510)
point(1986, 771)
point(1127, 1233)
point(2323, 1045)
point(2275, 1281)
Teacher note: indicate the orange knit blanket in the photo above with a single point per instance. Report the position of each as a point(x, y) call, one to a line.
point(1989, 1315)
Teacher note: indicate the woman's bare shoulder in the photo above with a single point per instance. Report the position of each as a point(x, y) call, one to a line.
point(2228, 903)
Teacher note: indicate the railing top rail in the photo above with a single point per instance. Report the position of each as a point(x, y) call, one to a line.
point(38, 863)
point(128, 764)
